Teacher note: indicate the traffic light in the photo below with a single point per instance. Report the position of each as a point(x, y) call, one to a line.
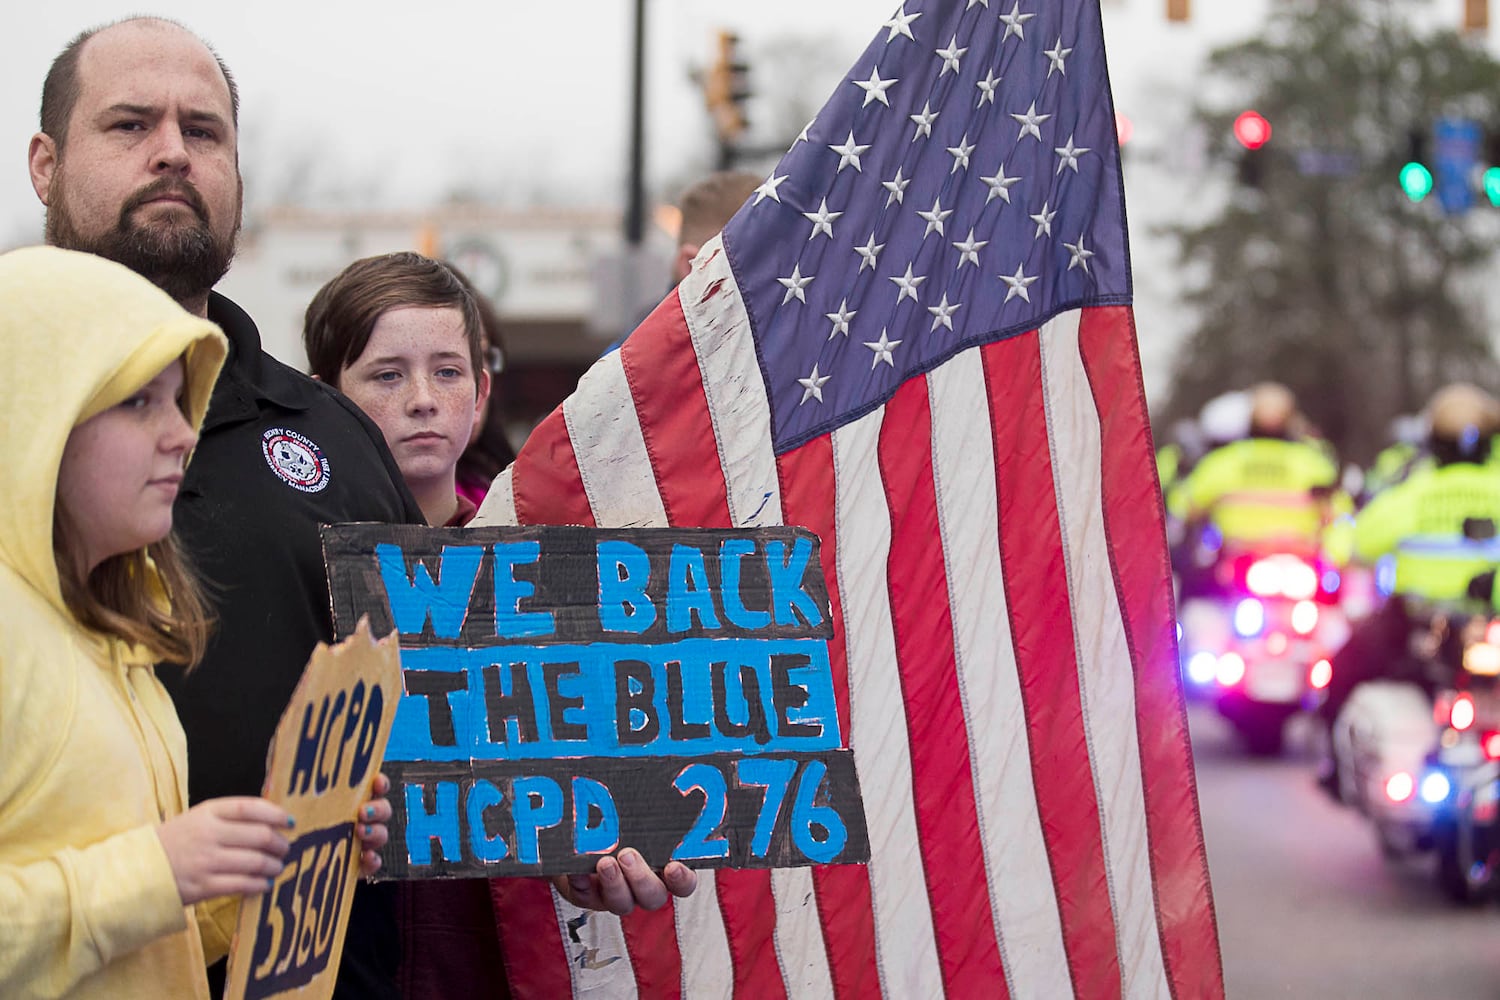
point(725, 90)
point(1252, 131)
point(1415, 177)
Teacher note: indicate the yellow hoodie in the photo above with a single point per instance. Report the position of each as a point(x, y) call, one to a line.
point(92, 757)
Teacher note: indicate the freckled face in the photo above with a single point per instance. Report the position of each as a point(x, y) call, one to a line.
point(416, 381)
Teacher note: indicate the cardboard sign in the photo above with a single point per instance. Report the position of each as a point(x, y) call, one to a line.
point(572, 691)
point(322, 762)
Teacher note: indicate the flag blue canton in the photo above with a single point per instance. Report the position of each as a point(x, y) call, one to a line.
point(962, 185)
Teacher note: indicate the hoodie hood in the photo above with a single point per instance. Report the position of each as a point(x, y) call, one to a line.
point(79, 334)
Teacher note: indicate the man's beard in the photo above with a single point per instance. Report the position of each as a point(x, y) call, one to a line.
point(182, 258)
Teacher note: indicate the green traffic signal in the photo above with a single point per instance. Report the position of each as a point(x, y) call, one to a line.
point(1492, 185)
point(1416, 181)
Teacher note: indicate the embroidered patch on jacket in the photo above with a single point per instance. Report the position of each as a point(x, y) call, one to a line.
point(300, 463)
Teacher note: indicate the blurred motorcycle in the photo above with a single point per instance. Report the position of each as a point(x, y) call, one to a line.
point(1425, 769)
point(1257, 643)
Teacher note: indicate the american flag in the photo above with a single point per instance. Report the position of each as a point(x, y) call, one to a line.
point(916, 340)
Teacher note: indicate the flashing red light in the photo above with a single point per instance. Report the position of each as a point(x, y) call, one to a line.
point(1252, 130)
point(1399, 787)
point(1491, 744)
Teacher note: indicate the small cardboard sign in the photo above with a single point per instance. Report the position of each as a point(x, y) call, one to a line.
point(572, 691)
point(321, 765)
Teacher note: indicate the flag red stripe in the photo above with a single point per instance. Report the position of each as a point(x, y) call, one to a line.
point(527, 920)
point(942, 779)
point(662, 370)
point(1133, 514)
point(749, 910)
point(546, 483)
point(651, 940)
point(846, 909)
point(1036, 590)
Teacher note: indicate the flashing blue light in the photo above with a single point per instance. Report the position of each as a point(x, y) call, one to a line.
point(1331, 581)
point(1179, 633)
point(1202, 666)
point(1249, 618)
point(1212, 538)
point(1385, 575)
point(1435, 787)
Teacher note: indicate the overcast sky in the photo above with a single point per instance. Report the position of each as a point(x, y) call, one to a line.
point(402, 103)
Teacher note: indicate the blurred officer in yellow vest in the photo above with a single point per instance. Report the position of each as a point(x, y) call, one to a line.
point(1431, 535)
point(1270, 487)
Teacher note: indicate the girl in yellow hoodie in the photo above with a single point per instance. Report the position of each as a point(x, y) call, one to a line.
point(101, 862)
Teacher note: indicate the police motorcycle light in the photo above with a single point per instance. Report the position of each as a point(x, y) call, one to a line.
point(1304, 617)
point(1435, 787)
point(1482, 659)
point(1202, 667)
point(1332, 580)
point(1249, 618)
point(1399, 786)
point(1320, 675)
point(1461, 713)
point(1490, 744)
point(1282, 576)
point(1230, 669)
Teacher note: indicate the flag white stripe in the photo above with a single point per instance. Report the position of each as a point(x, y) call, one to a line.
point(499, 505)
point(605, 431)
point(800, 950)
point(1105, 677)
point(905, 946)
point(737, 402)
point(737, 406)
point(1023, 902)
point(707, 967)
point(599, 962)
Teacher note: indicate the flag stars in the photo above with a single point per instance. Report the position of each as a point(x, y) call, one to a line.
point(950, 57)
point(999, 185)
point(1067, 155)
point(768, 188)
point(960, 154)
point(884, 348)
point(943, 313)
point(849, 154)
point(1080, 254)
point(1018, 283)
point(1015, 23)
point(924, 120)
point(1043, 220)
point(897, 188)
point(842, 317)
point(987, 88)
point(968, 250)
point(1057, 54)
point(934, 217)
point(869, 252)
point(802, 136)
point(900, 24)
point(822, 220)
point(795, 284)
point(812, 386)
point(875, 88)
point(1030, 123)
point(908, 284)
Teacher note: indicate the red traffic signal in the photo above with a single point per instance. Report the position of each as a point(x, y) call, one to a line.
point(1252, 130)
